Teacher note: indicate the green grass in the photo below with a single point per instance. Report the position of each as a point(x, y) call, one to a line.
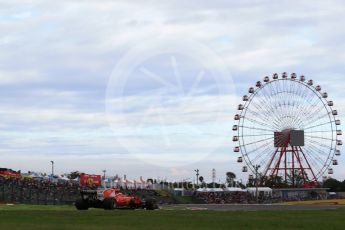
point(65, 217)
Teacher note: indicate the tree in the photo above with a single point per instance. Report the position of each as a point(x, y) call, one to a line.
point(333, 185)
point(241, 185)
point(230, 177)
point(272, 181)
point(343, 186)
point(296, 178)
point(73, 175)
point(201, 179)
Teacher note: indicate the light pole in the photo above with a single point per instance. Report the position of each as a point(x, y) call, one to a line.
point(104, 171)
point(52, 162)
point(256, 167)
point(214, 178)
point(197, 176)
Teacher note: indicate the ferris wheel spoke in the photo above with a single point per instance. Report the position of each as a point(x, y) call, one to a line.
point(291, 100)
point(260, 123)
point(316, 154)
point(255, 142)
point(324, 118)
point(265, 161)
point(319, 131)
point(287, 99)
point(256, 113)
point(300, 113)
point(258, 135)
point(287, 119)
point(317, 143)
point(317, 119)
point(307, 103)
point(264, 114)
point(314, 126)
point(272, 96)
point(255, 128)
point(316, 165)
point(254, 150)
point(267, 105)
point(315, 112)
point(263, 108)
point(262, 157)
point(287, 110)
point(317, 161)
point(280, 106)
point(262, 154)
point(297, 122)
point(316, 137)
point(309, 112)
point(300, 101)
point(287, 107)
point(313, 153)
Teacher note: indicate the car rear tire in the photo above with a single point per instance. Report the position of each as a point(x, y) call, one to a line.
point(80, 204)
point(151, 204)
point(133, 205)
point(109, 204)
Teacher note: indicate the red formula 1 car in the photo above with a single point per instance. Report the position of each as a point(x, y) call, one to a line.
point(112, 199)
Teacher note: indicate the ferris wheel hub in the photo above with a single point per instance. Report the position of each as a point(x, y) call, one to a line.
point(288, 137)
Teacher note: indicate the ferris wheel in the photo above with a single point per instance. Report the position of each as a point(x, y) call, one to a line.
point(288, 127)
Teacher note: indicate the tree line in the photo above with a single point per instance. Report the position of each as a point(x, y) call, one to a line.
point(334, 185)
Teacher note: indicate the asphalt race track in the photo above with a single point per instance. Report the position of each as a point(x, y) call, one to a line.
point(251, 207)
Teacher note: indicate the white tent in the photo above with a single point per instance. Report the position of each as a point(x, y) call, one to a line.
point(266, 190)
point(210, 190)
point(229, 189)
point(235, 189)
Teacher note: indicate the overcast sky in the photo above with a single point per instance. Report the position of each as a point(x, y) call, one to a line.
point(149, 88)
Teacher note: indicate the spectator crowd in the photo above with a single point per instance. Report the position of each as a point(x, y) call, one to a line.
point(44, 191)
point(28, 190)
point(223, 197)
